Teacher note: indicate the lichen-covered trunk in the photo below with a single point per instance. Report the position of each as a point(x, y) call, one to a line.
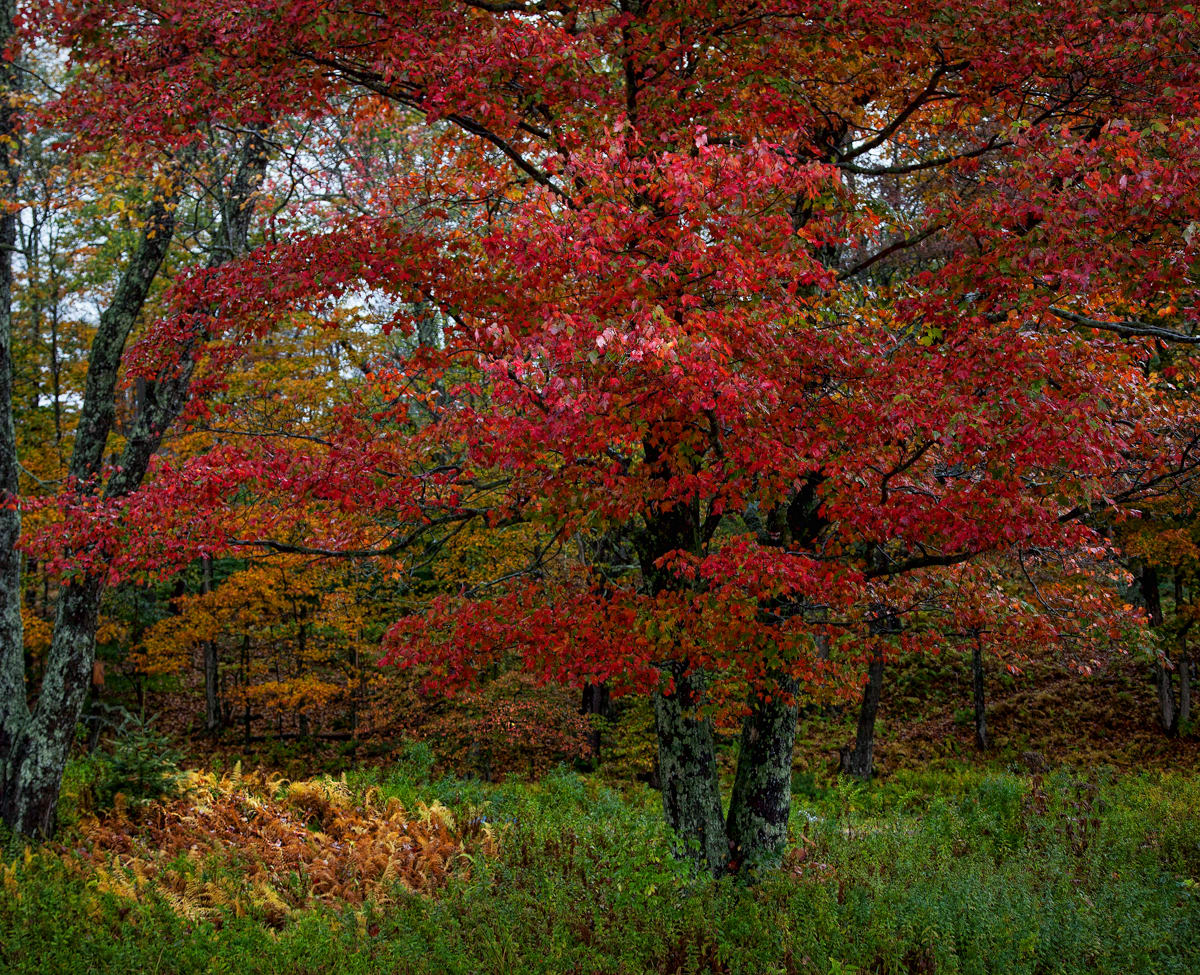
point(762, 790)
point(977, 688)
point(687, 767)
point(14, 713)
point(859, 761)
point(38, 754)
point(33, 773)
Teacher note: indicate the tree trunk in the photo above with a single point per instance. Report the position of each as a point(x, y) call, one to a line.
point(859, 761)
point(687, 766)
point(1185, 691)
point(33, 775)
point(212, 675)
point(34, 770)
point(301, 650)
point(1167, 716)
point(354, 689)
point(14, 709)
point(596, 701)
point(762, 788)
point(981, 732)
point(246, 684)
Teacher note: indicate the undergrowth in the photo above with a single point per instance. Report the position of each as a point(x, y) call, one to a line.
point(965, 871)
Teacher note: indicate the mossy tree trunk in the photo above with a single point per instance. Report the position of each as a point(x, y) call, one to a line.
point(14, 711)
point(33, 775)
point(761, 802)
point(754, 834)
point(687, 763)
point(36, 758)
point(687, 758)
point(37, 752)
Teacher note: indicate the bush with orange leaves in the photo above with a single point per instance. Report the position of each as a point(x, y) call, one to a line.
point(259, 845)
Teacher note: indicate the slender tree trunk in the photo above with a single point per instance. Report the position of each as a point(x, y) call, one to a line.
point(56, 377)
point(301, 652)
point(859, 761)
point(1167, 716)
point(94, 721)
point(246, 685)
point(596, 701)
point(212, 676)
point(354, 669)
point(977, 687)
point(1185, 690)
point(1184, 718)
point(762, 790)
point(33, 773)
point(687, 765)
point(14, 709)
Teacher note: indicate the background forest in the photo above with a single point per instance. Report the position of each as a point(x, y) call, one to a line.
point(621, 485)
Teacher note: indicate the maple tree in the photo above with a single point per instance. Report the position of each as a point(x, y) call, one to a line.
point(811, 311)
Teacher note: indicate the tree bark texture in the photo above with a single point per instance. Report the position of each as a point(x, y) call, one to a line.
point(762, 790)
point(687, 764)
point(212, 676)
point(14, 711)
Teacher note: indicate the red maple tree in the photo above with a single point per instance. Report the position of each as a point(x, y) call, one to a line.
point(787, 313)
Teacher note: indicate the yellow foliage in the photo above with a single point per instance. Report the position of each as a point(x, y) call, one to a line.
point(37, 632)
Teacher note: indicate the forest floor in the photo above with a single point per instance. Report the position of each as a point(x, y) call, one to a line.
point(1047, 715)
point(945, 871)
point(1073, 845)
point(1044, 717)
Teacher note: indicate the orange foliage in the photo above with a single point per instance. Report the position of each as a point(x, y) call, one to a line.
point(238, 844)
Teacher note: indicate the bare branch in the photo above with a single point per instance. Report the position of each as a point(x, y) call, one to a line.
point(1133, 328)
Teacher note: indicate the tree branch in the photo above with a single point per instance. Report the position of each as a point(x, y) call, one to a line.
point(1133, 328)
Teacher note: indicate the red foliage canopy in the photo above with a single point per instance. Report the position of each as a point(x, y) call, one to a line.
point(820, 310)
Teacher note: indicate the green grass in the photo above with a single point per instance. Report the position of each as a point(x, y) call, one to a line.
point(961, 871)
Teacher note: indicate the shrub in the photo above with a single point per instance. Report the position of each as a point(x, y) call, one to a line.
point(138, 763)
